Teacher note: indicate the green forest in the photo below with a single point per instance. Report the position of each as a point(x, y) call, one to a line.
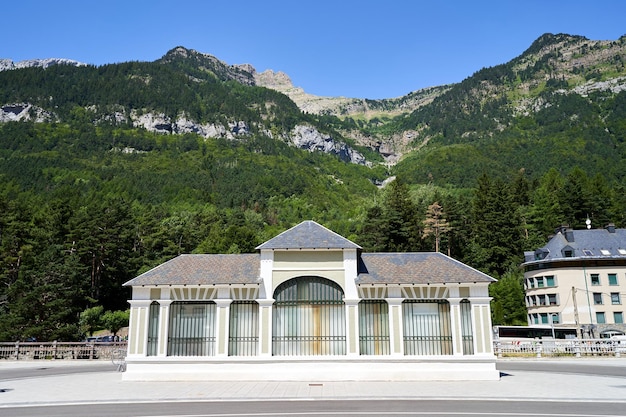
point(88, 202)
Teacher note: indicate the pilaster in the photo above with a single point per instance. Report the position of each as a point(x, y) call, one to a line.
point(396, 332)
point(222, 320)
point(265, 326)
point(352, 326)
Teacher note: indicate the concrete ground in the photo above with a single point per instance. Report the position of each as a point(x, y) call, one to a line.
point(106, 386)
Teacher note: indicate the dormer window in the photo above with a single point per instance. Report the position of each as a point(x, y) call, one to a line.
point(605, 252)
point(622, 251)
point(587, 252)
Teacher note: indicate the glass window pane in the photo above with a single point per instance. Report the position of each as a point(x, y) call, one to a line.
point(309, 318)
point(427, 328)
point(191, 329)
point(374, 327)
point(243, 335)
point(597, 298)
point(595, 279)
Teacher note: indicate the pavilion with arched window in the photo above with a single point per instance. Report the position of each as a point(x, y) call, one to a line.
point(311, 305)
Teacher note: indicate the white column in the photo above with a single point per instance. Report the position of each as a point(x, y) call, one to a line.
point(352, 327)
point(222, 320)
point(481, 325)
point(164, 326)
point(455, 325)
point(265, 326)
point(396, 332)
point(138, 327)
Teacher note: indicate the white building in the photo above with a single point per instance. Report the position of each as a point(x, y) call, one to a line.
point(579, 280)
point(310, 306)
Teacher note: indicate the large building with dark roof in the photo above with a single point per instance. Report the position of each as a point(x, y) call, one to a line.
point(578, 279)
point(310, 305)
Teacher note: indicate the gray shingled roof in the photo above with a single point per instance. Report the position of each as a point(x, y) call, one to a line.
point(415, 268)
point(308, 235)
point(584, 244)
point(203, 269)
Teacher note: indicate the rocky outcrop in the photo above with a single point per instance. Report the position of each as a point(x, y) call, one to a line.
point(7, 64)
point(24, 112)
point(160, 123)
point(309, 138)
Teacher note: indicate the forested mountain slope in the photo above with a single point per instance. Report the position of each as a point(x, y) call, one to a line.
point(560, 104)
point(107, 171)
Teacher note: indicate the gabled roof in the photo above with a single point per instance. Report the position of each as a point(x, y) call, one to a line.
point(568, 244)
point(203, 270)
point(308, 235)
point(415, 268)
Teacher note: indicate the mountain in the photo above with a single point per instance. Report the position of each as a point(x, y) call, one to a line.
point(106, 172)
point(560, 104)
point(526, 114)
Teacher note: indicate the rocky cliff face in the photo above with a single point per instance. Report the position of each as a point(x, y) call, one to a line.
point(301, 136)
point(24, 112)
point(7, 64)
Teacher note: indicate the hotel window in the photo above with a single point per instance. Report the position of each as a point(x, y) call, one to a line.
point(556, 319)
point(612, 279)
point(531, 282)
point(597, 298)
point(615, 299)
point(542, 300)
point(595, 279)
point(540, 282)
point(550, 281)
point(544, 318)
point(600, 318)
point(552, 299)
point(618, 317)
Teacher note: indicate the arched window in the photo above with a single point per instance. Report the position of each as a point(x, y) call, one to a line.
point(153, 329)
point(466, 327)
point(374, 327)
point(427, 327)
point(192, 329)
point(309, 318)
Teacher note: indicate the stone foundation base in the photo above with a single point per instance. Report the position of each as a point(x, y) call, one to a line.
point(312, 370)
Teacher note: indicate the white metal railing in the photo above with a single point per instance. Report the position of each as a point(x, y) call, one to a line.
point(62, 350)
point(567, 347)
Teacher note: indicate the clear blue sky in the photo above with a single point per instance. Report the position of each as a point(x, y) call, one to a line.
point(364, 49)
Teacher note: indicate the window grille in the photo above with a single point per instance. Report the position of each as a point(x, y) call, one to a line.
point(153, 329)
point(192, 329)
point(309, 318)
point(466, 328)
point(427, 327)
point(374, 327)
point(243, 335)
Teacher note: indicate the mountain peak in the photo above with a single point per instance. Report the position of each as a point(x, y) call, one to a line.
point(8, 64)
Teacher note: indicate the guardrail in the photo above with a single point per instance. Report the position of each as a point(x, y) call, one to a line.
point(569, 347)
point(63, 350)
